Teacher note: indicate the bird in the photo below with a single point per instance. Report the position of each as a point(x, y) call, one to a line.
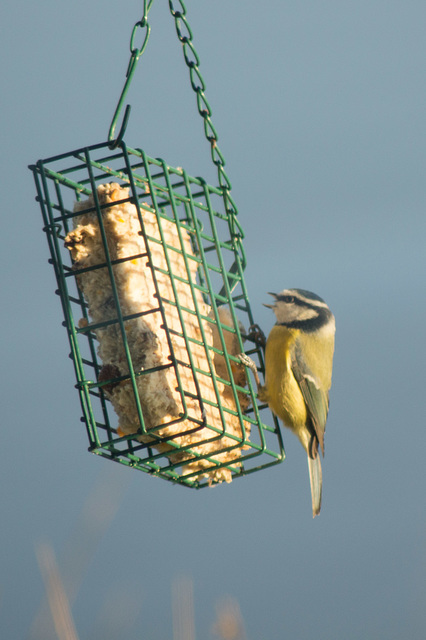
point(298, 369)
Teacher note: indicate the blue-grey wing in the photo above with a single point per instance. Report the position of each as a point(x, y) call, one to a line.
point(316, 399)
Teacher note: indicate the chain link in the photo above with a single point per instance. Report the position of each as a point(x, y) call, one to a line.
point(135, 54)
point(192, 61)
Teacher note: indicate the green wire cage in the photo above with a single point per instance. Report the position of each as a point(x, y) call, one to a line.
point(149, 265)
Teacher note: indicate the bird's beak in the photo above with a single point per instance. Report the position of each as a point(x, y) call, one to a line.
point(270, 306)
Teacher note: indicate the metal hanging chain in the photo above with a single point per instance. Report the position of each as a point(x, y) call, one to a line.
point(135, 54)
point(192, 61)
point(198, 85)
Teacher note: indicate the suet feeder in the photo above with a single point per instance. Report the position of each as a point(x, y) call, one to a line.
point(149, 265)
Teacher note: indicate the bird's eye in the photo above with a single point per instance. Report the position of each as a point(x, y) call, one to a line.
point(289, 299)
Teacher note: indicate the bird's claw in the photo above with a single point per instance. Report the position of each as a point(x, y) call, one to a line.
point(250, 364)
point(247, 361)
point(256, 335)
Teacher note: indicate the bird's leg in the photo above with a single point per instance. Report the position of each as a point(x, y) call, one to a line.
point(248, 362)
point(256, 335)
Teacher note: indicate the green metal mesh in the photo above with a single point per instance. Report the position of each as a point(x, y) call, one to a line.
point(201, 213)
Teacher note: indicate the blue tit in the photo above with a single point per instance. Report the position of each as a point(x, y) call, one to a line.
point(298, 367)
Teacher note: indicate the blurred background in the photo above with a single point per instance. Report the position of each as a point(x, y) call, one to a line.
point(319, 109)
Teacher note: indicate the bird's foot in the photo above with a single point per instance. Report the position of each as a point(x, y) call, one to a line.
point(256, 335)
point(250, 364)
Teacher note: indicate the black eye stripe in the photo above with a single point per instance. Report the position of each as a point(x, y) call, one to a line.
point(292, 299)
point(300, 296)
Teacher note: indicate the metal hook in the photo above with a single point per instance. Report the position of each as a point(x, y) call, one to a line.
point(135, 54)
point(113, 144)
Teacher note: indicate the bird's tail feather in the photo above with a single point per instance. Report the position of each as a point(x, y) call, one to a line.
point(315, 477)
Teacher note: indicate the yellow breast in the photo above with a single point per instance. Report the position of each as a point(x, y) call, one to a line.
point(281, 391)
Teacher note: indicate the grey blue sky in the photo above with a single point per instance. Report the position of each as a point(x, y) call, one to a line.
point(320, 112)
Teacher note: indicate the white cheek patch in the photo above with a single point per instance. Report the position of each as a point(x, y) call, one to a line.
point(292, 312)
point(305, 313)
